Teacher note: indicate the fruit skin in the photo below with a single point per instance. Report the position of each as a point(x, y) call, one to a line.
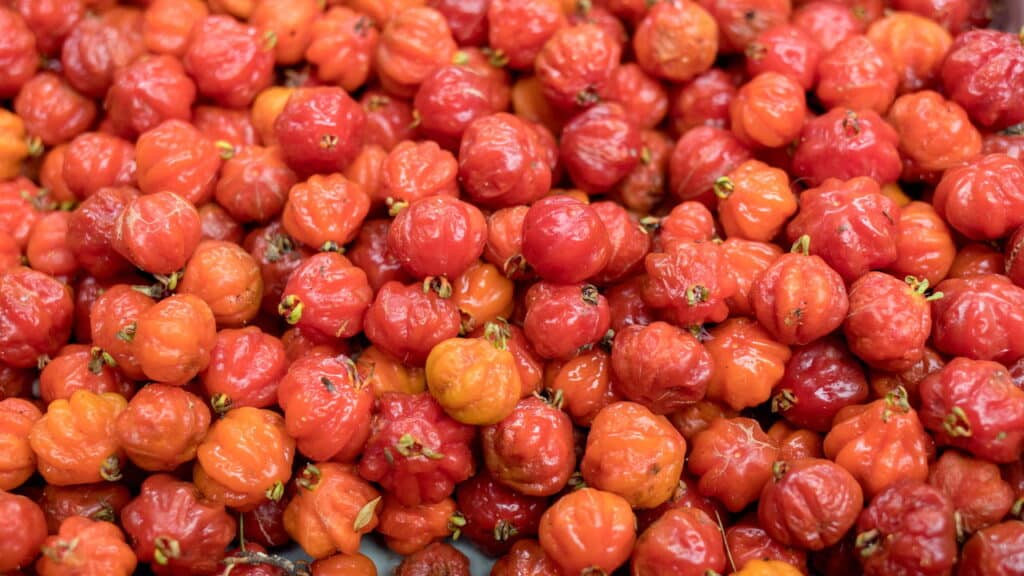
point(820, 379)
point(747, 260)
point(94, 501)
point(52, 110)
point(13, 148)
point(557, 256)
point(174, 157)
point(325, 209)
point(18, 53)
point(407, 322)
point(660, 366)
point(116, 312)
point(474, 379)
point(915, 45)
point(935, 134)
point(845, 143)
point(700, 156)
point(320, 130)
point(600, 147)
point(735, 481)
point(886, 309)
point(162, 426)
point(689, 282)
point(519, 29)
point(231, 62)
point(634, 453)
point(173, 339)
point(254, 184)
point(408, 529)
point(978, 508)
point(157, 232)
point(975, 406)
point(227, 278)
point(810, 503)
point(511, 448)
point(341, 45)
point(167, 25)
point(96, 47)
point(588, 528)
point(246, 366)
point(889, 431)
point(755, 201)
point(416, 170)
point(562, 319)
point(417, 452)
point(500, 162)
point(768, 111)
point(1015, 257)
point(981, 72)
point(851, 225)
point(23, 533)
point(787, 49)
point(575, 64)
point(907, 527)
point(435, 221)
point(76, 442)
point(857, 74)
point(979, 317)
point(483, 294)
point(193, 542)
point(326, 297)
point(526, 558)
point(983, 200)
point(91, 230)
point(439, 556)
point(693, 45)
point(327, 407)
point(39, 313)
point(799, 298)
point(148, 92)
point(450, 100)
point(755, 553)
point(247, 453)
point(95, 548)
point(329, 511)
point(497, 517)
point(747, 363)
point(993, 550)
point(740, 21)
point(657, 552)
point(924, 245)
point(18, 462)
point(412, 45)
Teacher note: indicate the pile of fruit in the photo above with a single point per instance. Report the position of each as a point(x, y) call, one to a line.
point(646, 287)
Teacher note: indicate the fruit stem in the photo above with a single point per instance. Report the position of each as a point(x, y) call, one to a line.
point(456, 522)
point(247, 558)
point(439, 285)
point(498, 333)
point(309, 478)
point(291, 309)
point(723, 187)
point(867, 542)
point(111, 469)
point(220, 403)
point(802, 245)
point(165, 549)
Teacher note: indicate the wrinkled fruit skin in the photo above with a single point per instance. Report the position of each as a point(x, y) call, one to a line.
point(907, 527)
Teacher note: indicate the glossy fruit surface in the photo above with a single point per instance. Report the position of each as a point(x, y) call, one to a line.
point(595, 287)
